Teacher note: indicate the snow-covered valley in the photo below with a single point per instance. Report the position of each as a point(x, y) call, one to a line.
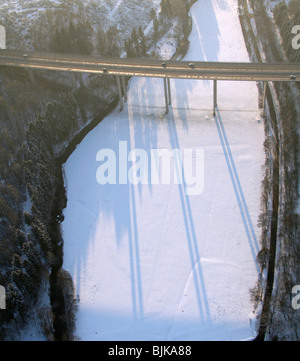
point(150, 262)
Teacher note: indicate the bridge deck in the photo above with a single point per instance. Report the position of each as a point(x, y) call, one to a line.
point(153, 68)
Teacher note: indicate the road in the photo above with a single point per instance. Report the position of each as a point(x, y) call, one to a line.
point(153, 68)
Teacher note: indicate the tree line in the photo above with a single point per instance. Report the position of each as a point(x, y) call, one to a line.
point(28, 174)
point(77, 36)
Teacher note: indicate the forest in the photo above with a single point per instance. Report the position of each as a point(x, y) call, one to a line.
point(40, 115)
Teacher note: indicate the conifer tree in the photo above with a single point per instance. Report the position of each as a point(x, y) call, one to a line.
point(155, 26)
point(15, 300)
point(152, 14)
point(142, 40)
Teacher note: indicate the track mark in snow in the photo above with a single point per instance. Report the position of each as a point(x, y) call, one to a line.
point(115, 8)
point(148, 28)
point(192, 277)
point(219, 261)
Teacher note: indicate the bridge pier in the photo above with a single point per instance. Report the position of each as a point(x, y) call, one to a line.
point(167, 88)
point(215, 96)
point(120, 92)
point(264, 99)
point(124, 88)
point(169, 91)
point(166, 95)
point(74, 80)
point(79, 77)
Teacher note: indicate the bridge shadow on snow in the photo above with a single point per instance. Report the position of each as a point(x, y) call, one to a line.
point(110, 202)
point(121, 207)
point(118, 202)
point(238, 190)
point(191, 236)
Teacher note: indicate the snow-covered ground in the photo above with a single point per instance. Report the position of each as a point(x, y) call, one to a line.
point(151, 262)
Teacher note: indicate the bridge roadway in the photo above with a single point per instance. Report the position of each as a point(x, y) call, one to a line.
point(153, 68)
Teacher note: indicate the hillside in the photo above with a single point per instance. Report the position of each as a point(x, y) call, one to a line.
point(41, 114)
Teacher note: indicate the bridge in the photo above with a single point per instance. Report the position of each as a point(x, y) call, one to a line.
point(121, 68)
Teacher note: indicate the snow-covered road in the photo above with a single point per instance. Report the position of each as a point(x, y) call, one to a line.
point(150, 262)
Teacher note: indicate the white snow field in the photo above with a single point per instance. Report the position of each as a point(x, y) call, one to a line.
point(150, 262)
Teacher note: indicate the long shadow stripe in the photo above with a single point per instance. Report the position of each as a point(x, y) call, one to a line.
point(190, 232)
point(137, 255)
point(132, 272)
point(234, 183)
point(198, 258)
point(244, 203)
